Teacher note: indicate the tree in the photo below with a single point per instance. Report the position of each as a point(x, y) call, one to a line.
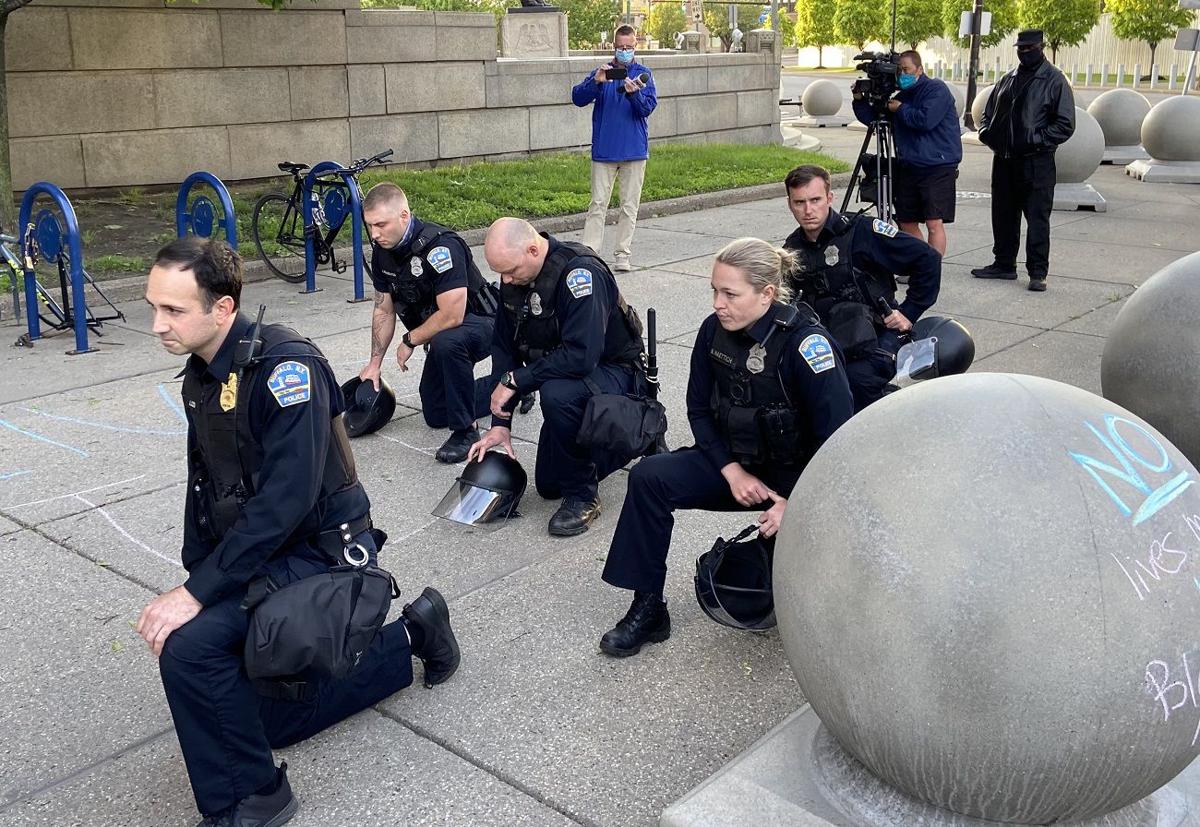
point(1004, 20)
point(787, 28)
point(716, 18)
point(917, 21)
point(664, 20)
point(586, 19)
point(814, 25)
point(857, 21)
point(1064, 22)
point(1147, 20)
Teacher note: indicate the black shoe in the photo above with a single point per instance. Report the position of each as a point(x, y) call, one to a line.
point(527, 403)
point(647, 621)
point(439, 651)
point(271, 810)
point(456, 447)
point(573, 517)
point(995, 271)
point(1037, 284)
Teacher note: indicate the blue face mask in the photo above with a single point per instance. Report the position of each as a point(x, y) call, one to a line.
point(625, 55)
point(906, 81)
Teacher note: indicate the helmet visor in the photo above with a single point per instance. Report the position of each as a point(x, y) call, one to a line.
point(917, 361)
point(471, 505)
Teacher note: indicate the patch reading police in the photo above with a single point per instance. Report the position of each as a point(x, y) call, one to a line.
point(440, 259)
point(817, 352)
point(883, 228)
point(579, 282)
point(289, 384)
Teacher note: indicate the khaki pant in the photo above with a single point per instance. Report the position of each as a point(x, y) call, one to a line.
point(604, 174)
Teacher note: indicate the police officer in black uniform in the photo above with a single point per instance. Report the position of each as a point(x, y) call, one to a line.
point(767, 387)
point(846, 273)
point(424, 274)
point(565, 331)
point(272, 491)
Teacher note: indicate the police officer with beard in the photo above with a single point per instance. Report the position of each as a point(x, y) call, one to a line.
point(272, 492)
point(845, 271)
point(767, 387)
point(424, 274)
point(565, 331)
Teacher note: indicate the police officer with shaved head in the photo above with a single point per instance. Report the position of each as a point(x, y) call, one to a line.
point(424, 274)
point(272, 493)
point(565, 331)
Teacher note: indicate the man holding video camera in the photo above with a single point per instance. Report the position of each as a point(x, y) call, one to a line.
point(929, 150)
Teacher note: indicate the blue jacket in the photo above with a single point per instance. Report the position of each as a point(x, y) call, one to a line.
point(926, 125)
point(619, 130)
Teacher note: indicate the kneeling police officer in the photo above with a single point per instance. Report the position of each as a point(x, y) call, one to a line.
point(767, 387)
point(565, 331)
point(423, 273)
point(846, 273)
point(272, 492)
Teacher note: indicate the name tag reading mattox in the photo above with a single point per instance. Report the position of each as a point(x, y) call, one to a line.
point(289, 384)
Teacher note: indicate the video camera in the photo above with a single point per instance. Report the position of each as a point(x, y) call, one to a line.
point(882, 69)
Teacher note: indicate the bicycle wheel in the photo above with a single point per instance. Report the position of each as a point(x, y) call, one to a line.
point(278, 230)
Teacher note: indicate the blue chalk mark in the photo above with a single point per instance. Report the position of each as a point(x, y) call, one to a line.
point(104, 426)
point(1196, 580)
point(172, 403)
point(41, 438)
point(12, 474)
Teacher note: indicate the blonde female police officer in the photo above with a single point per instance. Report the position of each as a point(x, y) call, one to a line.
point(757, 361)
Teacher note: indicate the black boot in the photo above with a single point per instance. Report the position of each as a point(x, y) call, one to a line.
point(439, 649)
point(647, 621)
point(260, 810)
point(456, 447)
point(995, 271)
point(527, 403)
point(573, 517)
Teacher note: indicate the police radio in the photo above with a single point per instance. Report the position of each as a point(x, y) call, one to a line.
point(249, 349)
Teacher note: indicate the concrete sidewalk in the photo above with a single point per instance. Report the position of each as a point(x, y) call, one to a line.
point(538, 727)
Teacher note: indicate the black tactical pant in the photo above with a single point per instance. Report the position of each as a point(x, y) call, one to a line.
point(1023, 186)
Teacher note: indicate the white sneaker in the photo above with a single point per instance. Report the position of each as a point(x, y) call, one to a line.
point(622, 265)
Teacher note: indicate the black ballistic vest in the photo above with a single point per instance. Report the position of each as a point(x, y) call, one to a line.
point(757, 419)
point(532, 316)
point(412, 283)
point(228, 457)
point(828, 275)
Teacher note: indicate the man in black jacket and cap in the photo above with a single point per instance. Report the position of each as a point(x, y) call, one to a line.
point(1030, 112)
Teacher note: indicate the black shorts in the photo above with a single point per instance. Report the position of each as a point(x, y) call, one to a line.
point(920, 195)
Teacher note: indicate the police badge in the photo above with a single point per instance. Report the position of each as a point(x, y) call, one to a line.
point(535, 304)
point(755, 362)
point(831, 255)
point(415, 266)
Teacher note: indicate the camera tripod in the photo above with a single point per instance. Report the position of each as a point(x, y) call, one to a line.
point(875, 186)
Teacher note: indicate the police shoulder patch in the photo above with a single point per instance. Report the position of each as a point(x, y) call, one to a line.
point(817, 351)
point(440, 259)
point(290, 384)
point(579, 282)
point(883, 228)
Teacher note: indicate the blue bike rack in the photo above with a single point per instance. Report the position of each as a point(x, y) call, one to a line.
point(50, 241)
point(200, 217)
point(335, 208)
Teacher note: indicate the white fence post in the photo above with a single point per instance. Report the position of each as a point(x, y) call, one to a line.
point(1087, 78)
point(1153, 75)
point(1120, 74)
point(1137, 75)
point(1074, 73)
point(1103, 75)
point(1171, 78)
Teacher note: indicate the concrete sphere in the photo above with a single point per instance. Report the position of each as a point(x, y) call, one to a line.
point(979, 103)
point(1169, 131)
point(1120, 113)
point(960, 99)
point(984, 586)
point(1079, 156)
point(821, 97)
point(1152, 355)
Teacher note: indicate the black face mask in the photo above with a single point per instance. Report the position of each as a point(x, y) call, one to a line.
point(1031, 58)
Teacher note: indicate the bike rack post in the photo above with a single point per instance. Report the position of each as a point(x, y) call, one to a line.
point(310, 230)
point(75, 245)
point(200, 216)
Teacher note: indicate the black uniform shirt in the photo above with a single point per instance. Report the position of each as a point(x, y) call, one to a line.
point(294, 432)
point(445, 262)
point(879, 247)
point(819, 388)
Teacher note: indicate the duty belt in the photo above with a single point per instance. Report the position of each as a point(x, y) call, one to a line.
point(338, 543)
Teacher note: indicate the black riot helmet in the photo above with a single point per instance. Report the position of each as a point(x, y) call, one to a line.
point(487, 492)
point(733, 582)
point(367, 409)
point(955, 347)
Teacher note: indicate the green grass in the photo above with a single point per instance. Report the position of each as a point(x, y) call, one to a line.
point(117, 264)
point(470, 196)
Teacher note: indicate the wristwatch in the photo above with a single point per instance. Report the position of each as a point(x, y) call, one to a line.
point(508, 381)
point(407, 339)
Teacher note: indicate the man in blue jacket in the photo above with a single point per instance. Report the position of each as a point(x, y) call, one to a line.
point(620, 141)
point(929, 149)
